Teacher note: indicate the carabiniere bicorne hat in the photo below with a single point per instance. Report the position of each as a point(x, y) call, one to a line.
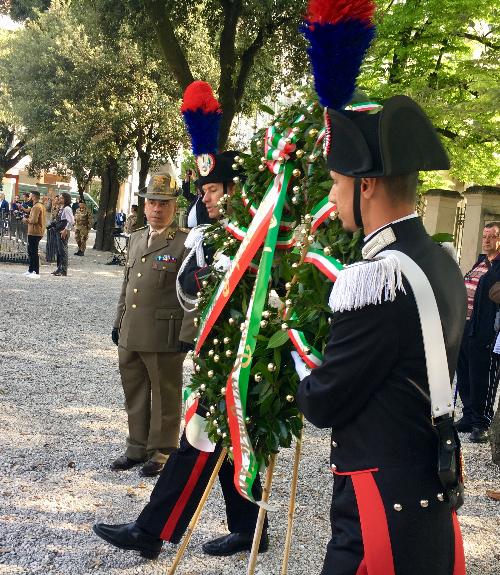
point(220, 170)
point(394, 140)
point(161, 186)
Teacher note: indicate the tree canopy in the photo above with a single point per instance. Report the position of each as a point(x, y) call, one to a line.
point(441, 52)
point(89, 103)
point(444, 53)
point(24, 9)
point(246, 49)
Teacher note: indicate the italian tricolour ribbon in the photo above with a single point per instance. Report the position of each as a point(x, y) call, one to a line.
point(245, 463)
point(330, 267)
point(194, 424)
point(253, 239)
point(320, 212)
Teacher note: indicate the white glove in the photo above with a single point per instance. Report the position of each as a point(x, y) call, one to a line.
point(222, 264)
point(300, 366)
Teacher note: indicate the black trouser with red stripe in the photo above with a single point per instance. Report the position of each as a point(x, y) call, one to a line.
point(179, 490)
point(392, 522)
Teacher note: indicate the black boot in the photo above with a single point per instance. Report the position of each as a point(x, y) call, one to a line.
point(478, 436)
point(130, 537)
point(123, 463)
point(233, 543)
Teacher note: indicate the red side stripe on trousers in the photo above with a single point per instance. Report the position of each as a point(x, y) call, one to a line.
point(374, 529)
point(459, 568)
point(362, 568)
point(181, 503)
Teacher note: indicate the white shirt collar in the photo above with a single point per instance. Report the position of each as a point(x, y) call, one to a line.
point(408, 217)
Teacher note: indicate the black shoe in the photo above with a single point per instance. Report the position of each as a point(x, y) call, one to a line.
point(234, 542)
point(478, 436)
point(56, 272)
point(123, 463)
point(151, 468)
point(60, 273)
point(78, 253)
point(130, 537)
point(463, 426)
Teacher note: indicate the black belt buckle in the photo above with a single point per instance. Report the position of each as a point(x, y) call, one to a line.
point(450, 462)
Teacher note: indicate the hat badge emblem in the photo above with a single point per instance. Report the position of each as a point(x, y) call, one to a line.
point(205, 164)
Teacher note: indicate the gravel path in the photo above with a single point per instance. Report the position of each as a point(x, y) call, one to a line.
point(62, 422)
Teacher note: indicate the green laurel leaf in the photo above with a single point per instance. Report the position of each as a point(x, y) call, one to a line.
point(278, 339)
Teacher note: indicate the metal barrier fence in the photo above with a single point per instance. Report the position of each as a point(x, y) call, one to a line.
point(13, 238)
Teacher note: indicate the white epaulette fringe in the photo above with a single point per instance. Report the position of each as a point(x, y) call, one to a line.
point(450, 249)
point(367, 283)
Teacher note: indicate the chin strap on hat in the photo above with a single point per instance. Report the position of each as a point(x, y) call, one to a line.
point(356, 203)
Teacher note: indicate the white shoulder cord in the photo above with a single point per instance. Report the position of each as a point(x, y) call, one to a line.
point(432, 334)
point(194, 242)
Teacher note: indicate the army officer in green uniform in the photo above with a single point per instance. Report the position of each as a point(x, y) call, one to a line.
point(146, 330)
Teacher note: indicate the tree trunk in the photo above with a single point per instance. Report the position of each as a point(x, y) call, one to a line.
point(81, 189)
point(145, 159)
point(495, 438)
point(110, 187)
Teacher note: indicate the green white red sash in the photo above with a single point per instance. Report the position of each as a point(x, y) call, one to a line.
point(327, 265)
point(245, 463)
point(194, 424)
point(330, 267)
point(253, 239)
point(312, 357)
point(321, 212)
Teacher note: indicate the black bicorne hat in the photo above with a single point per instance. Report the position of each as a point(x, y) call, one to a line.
point(222, 169)
point(397, 139)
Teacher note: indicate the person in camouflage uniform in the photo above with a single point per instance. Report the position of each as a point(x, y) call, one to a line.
point(83, 225)
point(131, 221)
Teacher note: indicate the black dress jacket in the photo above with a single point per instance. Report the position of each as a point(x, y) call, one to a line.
point(195, 202)
point(372, 387)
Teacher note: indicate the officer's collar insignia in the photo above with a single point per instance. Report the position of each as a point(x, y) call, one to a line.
point(205, 164)
point(380, 240)
point(166, 258)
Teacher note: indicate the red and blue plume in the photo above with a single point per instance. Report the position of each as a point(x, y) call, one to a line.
point(339, 34)
point(202, 115)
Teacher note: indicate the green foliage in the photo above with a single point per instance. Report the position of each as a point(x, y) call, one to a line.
point(272, 416)
point(246, 49)
point(444, 53)
point(442, 238)
point(24, 9)
point(86, 94)
point(12, 134)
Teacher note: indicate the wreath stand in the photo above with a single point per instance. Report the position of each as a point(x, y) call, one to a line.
point(252, 563)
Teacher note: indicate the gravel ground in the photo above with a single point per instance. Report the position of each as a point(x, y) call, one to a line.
point(62, 422)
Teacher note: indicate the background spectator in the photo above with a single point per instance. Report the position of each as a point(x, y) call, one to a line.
point(51, 247)
point(4, 205)
point(131, 221)
point(474, 362)
point(67, 219)
point(36, 229)
point(27, 203)
point(14, 204)
point(83, 225)
point(120, 219)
